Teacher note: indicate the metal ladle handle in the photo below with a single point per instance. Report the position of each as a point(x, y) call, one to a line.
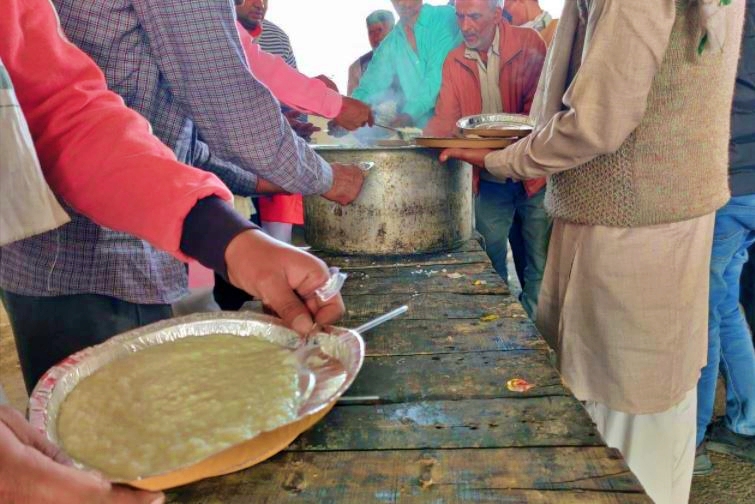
point(381, 319)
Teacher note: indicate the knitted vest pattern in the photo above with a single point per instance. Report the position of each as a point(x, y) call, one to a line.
point(673, 167)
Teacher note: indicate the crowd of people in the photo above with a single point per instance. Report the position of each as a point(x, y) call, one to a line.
point(629, 209)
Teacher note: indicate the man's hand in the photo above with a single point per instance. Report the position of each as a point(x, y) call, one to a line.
point(354, 114)
point(284, 278)
point(472, 156)
point(32, 470)
point(347, 183)
point(302, 128)
point(402, 121)
point(328, 82)
point(335, 130)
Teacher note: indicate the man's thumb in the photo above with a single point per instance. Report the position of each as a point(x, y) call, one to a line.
point(447, 153)
point(291, 310)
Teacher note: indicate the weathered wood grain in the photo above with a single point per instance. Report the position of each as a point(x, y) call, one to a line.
point(453, 376)
point(423, 271)
point(470, 252)
point(469, 423)
point(466, 279)
point(432, 306)
point(404, 337)
point(445, 428)
point(477, 278)
point(537, 475)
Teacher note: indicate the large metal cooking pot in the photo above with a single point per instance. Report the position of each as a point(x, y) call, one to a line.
point(410, 203)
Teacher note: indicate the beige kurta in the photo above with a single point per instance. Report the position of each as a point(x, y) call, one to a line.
point(625, 307)
point(627, 310)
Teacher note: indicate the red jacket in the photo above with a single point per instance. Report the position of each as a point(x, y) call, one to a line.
point(522, 53)
point(95, 153)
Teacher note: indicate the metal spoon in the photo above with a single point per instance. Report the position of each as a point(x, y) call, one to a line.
point(403, 136)
point(366, 326)
point(382, 319)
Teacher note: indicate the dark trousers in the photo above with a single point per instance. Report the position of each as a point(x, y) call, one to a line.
point(747, 290)
point(49, 329)
point(226, 295)
point(518, 250)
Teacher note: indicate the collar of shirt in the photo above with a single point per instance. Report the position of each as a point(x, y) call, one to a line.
point(489, 73)
point(419, 26)
point(256, 31)
point(493, 50)
point(540, 22)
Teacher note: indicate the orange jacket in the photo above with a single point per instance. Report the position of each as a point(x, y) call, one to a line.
point(522, 53)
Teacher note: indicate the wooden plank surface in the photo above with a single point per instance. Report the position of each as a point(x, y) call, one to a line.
point(563, 474)
point(472, 423)
point(406, 337)
point(469, 252)
point(432, 306)
point(445, 428)
point(455, 376)
point(476, 278)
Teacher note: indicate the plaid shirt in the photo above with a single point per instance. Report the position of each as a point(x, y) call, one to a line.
point(180, 64)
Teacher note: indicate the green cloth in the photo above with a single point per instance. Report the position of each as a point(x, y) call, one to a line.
point(418, 73)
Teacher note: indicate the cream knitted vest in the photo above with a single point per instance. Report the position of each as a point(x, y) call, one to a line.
point(673, 167)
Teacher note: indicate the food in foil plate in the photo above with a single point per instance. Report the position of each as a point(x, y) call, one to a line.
point(179, 402)
point(192, 397)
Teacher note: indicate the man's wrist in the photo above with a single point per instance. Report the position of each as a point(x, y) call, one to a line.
point(328, 177)
point(208, 229)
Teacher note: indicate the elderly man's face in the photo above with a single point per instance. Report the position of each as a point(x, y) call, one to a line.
point(251, 12)
point(408, 10)
point(377, 32)
point(519, 10)
point(477, 20)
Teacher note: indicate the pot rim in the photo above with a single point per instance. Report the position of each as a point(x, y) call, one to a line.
point(355, 148)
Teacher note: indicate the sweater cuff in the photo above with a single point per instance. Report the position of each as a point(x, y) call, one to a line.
point(208, 229)
point(331, 103)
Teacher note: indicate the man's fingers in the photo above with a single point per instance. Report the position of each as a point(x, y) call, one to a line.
point(328, 312)
point(289, 308)
point(447, 154)
point(331, 311)
point(289, 275)
point(29, 436)
point(450, 153)
point(473, 156)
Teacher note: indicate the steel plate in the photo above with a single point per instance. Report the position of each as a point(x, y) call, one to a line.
point(496, 125)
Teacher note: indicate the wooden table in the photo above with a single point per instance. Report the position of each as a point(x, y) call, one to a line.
point(446, 428)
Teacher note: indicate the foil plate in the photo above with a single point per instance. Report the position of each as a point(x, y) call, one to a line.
point(496, 125)
point(329, 362)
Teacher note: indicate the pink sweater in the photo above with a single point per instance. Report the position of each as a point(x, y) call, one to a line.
point(290, 86)
point(95, 153)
